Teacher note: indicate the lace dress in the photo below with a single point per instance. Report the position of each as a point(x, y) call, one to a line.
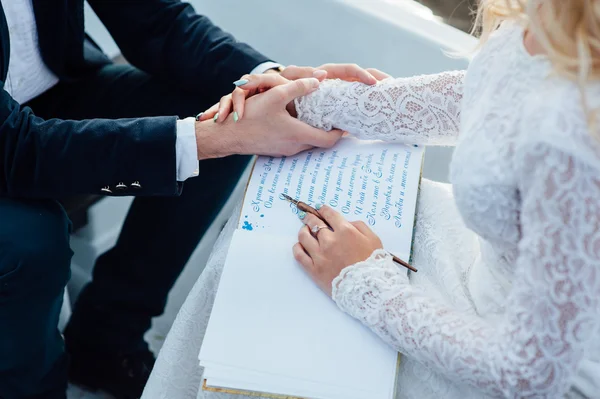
point(506, 301)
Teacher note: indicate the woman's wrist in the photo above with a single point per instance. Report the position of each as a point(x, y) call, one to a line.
point(312, 109)
point(350, 275)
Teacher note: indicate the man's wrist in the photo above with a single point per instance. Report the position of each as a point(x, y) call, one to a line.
point(211, 140)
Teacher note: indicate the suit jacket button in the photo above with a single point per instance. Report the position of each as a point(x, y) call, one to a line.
point(106, 190)
point(121, 186)
point(136, 184)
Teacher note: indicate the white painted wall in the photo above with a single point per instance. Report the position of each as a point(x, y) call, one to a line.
point(396, 36)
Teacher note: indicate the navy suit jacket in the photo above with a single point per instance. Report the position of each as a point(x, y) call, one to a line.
point(166, 38)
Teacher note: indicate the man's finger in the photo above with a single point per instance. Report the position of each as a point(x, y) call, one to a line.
point(314, 137)
point(333, 218)
point(330, 139)
point(286, 93)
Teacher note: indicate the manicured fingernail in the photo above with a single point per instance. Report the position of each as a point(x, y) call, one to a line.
point(301, 215)
point(236, 117)
point(240, 82)
point(318, 206)
point(216, 117)
point(199, 116)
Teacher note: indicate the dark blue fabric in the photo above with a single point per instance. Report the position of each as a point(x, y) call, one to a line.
point(131, 281)
point(169, 40)
point(101, 125)
point(51, 158)
point(34, 268)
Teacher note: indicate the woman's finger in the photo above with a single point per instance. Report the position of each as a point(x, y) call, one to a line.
point(294, 72)
point(238, 98)
point(333, 218)
point(308, 241)
point(263, 82)
point(360, 74)
point(224, 108)
point(348, 72)
point(363, 228)
point(320, 74)
point(210, 113)
point(377, 74)
point(302, 257)
point(311, 221)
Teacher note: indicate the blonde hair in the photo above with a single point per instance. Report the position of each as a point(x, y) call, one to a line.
point(567, 30)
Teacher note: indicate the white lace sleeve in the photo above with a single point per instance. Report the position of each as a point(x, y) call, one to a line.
point(552, 313)
point(418, 110)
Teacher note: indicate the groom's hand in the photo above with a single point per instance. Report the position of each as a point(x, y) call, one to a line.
point(266, 129)
point(250, 85)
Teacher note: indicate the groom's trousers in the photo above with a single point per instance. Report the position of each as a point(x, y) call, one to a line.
point(131, 281)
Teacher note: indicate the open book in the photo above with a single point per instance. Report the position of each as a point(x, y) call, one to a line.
point(272, 332)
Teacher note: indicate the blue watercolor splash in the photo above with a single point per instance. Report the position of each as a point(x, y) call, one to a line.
point(262, 216)
point(247, 226)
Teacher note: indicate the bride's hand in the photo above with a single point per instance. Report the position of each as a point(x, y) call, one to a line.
point(246, 87)
point(250, 85)
point(324, 254)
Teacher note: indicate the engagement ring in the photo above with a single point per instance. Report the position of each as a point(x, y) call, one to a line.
point(315, 229)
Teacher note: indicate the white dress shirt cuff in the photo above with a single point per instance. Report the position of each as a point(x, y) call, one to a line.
point(186, 151)
point(265, 66)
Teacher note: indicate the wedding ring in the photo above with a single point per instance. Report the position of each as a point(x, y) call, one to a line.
point(315, 229)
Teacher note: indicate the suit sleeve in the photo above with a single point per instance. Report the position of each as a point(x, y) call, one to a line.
point(57, 158)
point(167, 38)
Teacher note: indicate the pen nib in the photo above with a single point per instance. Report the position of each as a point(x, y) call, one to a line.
point(289, 199)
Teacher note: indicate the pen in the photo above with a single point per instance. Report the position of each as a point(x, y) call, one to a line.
point(309, 209)
point(305, 207)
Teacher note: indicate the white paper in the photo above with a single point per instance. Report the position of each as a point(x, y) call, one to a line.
point(239, 379)
point(364, 180)
point(269, 317)
point(242, 379)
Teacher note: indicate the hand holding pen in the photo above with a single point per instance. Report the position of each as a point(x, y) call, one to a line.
point(325, 218)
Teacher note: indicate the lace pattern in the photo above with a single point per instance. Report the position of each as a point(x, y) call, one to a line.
point(419, 110)
point(505, 303)
point(552, 311)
